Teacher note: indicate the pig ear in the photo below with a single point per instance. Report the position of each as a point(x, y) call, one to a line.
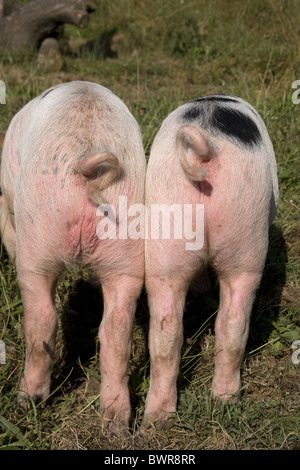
point(193, 151)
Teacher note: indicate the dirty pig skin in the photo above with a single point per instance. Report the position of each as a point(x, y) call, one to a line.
point(214, 151)
point(67, 151)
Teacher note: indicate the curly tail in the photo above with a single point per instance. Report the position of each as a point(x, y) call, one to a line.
point(193, 150)
point(100, 169)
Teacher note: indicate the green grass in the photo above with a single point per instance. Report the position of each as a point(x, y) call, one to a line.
point(159, 55)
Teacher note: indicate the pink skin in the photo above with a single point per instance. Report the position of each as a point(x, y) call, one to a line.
point(236, 202)
point(48, 222)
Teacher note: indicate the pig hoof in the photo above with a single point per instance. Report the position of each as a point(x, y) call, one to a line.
point(26, 398)
point(226, 396)
point(115, 425)
point(115, 429)
point(146, 429)
point(149, 427)
point(229, 397)
point(26, 401)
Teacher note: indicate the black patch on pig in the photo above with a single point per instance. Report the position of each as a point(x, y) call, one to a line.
point(47, 92)
point(193, 113)
point(237, 125)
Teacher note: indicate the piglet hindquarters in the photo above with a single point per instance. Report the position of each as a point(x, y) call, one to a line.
point(67, 151)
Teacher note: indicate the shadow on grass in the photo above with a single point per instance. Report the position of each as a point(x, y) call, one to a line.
point(268, 300)
point(80, 320)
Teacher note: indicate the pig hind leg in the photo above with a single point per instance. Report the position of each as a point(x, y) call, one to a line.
point(167, 282)
point(166, 299)
point(40, 325)
point(237, 293)
point(120, 293)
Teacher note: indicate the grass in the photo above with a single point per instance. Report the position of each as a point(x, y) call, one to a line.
point(158, 55)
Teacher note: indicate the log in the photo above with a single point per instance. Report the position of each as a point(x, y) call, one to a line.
point(25, 26)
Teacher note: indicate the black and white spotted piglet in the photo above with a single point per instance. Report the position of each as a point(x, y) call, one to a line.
point(213, 151)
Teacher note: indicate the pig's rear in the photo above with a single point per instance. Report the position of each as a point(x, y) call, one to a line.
point(73, 149)
point(70, 149)
point(213, 151)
